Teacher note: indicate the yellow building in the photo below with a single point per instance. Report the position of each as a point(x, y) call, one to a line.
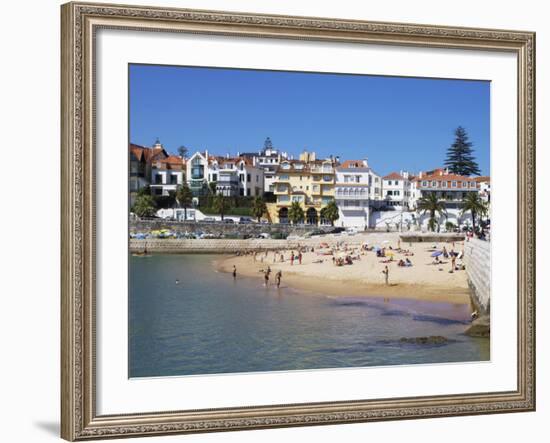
point(307, 181)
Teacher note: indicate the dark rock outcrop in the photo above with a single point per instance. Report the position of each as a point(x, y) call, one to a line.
point(480, 327)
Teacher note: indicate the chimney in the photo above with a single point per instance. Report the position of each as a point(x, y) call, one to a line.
point(420, 174)
point(206, 154)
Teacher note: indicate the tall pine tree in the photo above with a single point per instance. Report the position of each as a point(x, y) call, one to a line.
point(460, 158)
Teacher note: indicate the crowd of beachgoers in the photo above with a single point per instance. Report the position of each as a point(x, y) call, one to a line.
point(369, 264)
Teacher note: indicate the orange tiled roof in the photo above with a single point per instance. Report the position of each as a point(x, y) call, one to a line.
point(147, 154)
point(394, 176)
point(484, 178)
point(353, 164)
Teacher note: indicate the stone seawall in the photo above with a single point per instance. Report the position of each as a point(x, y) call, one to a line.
point(218, 246)
point(431, 237)
point(477, 257)
point(217, 228)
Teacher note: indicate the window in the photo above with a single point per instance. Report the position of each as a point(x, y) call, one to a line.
point(453, 184)
point(464, 184)
point(173, 179)
point(434, 184)
point(444, 184)
point(158, 179)
point(283, 177)
point(248, 178)
point(424, 183)
point(395, 192)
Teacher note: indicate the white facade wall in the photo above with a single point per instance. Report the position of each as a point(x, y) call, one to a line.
point(353, 195)
point(236, 178)
point(397, 191)
point(165, 180)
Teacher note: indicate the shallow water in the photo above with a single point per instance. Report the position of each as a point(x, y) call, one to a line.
point(209, 323)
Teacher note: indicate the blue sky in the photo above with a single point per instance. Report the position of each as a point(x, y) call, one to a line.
point(398, 123)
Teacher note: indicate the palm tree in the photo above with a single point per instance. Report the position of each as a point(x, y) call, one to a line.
point(184, 197)
point(330, 212)
point(144, 206)
point(476, 206)
point(295, 213)
point(221, 205)
point(259, 207)
point(431, 204)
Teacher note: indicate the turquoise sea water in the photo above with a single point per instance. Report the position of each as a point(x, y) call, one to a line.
point(209, 323)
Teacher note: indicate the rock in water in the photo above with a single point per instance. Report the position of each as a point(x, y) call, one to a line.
point(431, 340)
point(480, 327)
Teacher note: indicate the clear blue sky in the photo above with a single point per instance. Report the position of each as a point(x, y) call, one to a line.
point(398, 123)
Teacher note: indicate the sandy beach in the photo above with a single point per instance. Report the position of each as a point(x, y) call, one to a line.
point(318, 274)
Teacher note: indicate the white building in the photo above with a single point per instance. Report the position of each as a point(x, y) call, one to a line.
point(358, 190)
point(167, 174)
point(236, 176)
point(268, 159)
point(448, 187)
point(484, 185)
point(396, 189)
point(197, 173)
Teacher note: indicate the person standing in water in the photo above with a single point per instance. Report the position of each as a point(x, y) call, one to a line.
point(386, 273)
point(266, 278)
point(234, 272)
point(278, 277)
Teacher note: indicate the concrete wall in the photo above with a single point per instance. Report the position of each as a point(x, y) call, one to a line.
point(477, 257)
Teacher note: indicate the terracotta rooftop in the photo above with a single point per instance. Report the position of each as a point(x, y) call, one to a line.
point(353, 164)
point(484, 178)
point(394, 176)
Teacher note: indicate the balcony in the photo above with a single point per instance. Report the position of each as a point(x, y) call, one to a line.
point(341, 196)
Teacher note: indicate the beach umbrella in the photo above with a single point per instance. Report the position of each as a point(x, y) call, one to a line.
point(436, 253)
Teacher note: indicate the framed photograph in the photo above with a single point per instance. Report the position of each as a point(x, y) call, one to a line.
point(277, 221)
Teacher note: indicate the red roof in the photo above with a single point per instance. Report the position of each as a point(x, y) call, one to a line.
point(394, 176)
point(353, 164)
point(171, 162)
point(484, 178)
point(147, 154)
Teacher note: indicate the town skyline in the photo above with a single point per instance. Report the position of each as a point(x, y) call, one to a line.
point(434, 107)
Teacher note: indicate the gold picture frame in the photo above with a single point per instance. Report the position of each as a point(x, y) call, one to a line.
point(80, 21)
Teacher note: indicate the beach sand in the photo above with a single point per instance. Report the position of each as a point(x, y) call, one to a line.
point(422, 281)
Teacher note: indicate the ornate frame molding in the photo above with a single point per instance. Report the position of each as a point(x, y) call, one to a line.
point(79, 23)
